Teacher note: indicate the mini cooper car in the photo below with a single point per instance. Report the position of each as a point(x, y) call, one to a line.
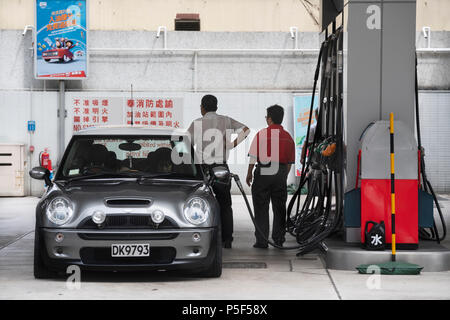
point(128, 198)
point(62, 54)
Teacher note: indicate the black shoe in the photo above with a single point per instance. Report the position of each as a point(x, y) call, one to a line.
point(279, 243)
point(226, 244)
point(260, 246)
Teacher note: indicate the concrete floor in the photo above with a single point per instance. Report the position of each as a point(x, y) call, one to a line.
point(285, 277)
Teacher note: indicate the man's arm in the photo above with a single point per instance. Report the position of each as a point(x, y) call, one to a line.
point(235, 126)
point(241, 136)
point(251, 165)
point(190, 132)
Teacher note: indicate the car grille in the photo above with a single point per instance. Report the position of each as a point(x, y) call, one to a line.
point(128, 202)
point(128, 236)
point(128, 222)
point(102, 256)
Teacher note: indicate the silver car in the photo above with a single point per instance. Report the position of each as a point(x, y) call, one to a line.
point(128, 198)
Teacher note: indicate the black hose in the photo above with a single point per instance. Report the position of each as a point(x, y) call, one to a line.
point(315, 221)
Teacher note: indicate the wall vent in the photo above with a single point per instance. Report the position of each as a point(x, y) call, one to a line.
point(187, 22)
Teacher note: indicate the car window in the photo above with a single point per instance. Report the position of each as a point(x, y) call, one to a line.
point(136, 155)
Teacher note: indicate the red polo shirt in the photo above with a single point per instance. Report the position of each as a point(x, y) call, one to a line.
point(266, 142)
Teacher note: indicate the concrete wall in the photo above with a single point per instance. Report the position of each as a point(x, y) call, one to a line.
point(215, 15)
point(245, 83)
point(174, 70)
point(216, 70)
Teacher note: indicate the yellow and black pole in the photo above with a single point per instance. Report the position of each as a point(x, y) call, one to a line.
point(391, 130)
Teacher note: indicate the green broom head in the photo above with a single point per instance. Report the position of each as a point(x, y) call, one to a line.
point(391, 267)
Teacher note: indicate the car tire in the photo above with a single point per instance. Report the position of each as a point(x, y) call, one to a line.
point(40, 270)
point(215, 269)
point(64, 59)
point(47, 60)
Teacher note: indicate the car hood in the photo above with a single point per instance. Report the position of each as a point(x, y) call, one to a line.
point(166, 195)
point(170, 189)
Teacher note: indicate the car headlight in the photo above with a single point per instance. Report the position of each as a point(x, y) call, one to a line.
point(59, 211)
point(196, 210)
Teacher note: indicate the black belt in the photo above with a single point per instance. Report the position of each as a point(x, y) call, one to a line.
point(267, 165)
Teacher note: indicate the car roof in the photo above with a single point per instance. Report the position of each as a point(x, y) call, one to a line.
point(115, 130)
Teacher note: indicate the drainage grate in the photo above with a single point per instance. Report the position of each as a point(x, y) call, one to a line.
point(244, 265)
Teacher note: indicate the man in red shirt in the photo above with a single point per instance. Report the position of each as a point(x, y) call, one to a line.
point(273, 152)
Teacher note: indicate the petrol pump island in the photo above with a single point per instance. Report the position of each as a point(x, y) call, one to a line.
point(366, 203)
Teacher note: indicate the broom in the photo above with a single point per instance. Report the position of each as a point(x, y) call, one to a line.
point(393, 266)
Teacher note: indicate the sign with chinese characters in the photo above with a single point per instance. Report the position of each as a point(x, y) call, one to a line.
point(302, 105)
point(153, 112)
point(60, 39)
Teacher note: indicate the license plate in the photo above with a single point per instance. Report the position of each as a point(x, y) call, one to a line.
point(130, 250)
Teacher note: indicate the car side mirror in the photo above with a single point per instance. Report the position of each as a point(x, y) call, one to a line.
point(221, 173)
point(41, 173)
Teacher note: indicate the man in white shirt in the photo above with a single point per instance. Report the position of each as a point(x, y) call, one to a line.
point(211, 136)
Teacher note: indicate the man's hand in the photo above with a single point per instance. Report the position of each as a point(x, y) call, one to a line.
point(249, 179)
point(251, 165)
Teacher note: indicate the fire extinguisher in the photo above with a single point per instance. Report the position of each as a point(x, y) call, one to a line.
point(44, 158)
point(44, 161)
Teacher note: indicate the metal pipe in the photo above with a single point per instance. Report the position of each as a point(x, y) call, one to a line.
point(26, 28)
point(427, 35)
point(419, 50)
point(61, 120)
point(165, 35)
point(436, 50)
point(204, 50)
point(294, 35)
point(168, 90)
point(30, 141)
point(195, 71)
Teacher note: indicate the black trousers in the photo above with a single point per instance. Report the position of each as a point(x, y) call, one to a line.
point(222, 192)
point(223, 196)
point(266, 188)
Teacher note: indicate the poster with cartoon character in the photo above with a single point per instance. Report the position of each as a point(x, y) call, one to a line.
point(302, 105)
point(60, 39)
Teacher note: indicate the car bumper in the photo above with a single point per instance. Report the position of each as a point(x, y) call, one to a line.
point(91, 249)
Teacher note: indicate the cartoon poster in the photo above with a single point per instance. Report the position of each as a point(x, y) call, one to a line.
point(302, 105)
point(61, 39)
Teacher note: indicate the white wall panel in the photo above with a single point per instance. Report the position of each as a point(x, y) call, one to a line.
point(435, 132)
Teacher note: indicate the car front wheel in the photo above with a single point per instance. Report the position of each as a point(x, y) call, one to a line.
point(39, 268)
point(215, 269)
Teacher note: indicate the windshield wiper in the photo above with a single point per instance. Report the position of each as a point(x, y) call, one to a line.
point(102, 175)
point(161, 175)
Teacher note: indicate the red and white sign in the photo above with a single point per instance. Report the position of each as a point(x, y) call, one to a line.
point(153, 112)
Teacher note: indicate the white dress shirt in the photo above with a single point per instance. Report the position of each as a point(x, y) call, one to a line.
point(204, 131)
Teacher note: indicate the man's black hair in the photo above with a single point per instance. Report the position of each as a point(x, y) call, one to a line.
point(276, 113)
point(209, 103)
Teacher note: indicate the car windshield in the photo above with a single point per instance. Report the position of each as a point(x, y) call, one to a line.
point(129, 156)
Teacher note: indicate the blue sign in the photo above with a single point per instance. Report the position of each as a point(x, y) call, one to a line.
point(31, 126)
point(61, 39)
point(302, 105)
